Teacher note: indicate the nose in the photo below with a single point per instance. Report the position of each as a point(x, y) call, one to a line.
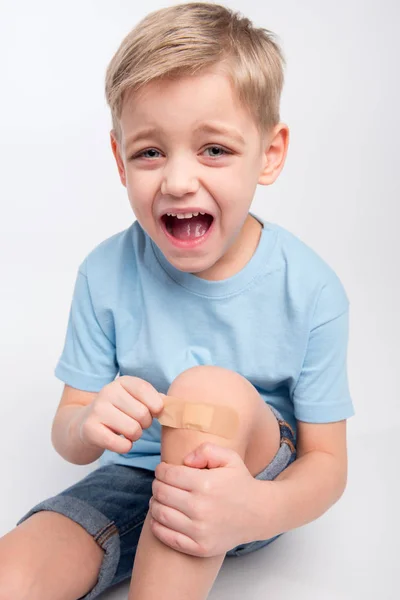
point(179, 179)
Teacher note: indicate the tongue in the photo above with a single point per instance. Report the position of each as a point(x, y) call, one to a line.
point(189, 229)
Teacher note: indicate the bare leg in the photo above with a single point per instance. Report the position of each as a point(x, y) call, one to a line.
point(160, 571)
point(48, 557)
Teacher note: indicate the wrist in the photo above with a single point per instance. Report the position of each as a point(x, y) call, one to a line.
point(268, 509)
point(86, 451)
point(66, 437)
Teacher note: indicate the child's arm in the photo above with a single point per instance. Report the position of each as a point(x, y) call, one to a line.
point(311, 484)
point(63, 434)
point(87, 423)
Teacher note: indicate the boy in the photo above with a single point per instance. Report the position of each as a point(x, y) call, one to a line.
point(202, 303)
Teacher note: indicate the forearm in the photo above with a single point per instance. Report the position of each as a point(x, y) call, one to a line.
point(300, 494)
point(65, 437)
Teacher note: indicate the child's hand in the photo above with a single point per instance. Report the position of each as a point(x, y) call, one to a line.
point(208, 508)
point(126, 406)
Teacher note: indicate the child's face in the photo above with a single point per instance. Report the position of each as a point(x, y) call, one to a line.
point(178, 167)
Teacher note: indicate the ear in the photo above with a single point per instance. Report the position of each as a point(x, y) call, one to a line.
point(117, 154)
point(274, 154)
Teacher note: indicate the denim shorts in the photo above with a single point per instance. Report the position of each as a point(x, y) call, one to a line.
point(112, 502)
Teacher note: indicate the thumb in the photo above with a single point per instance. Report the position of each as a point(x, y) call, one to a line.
point(211, 456)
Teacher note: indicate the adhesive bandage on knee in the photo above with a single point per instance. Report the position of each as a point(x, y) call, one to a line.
point(210, 418)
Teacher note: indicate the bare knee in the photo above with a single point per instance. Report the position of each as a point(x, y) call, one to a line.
point(217, 386)
point(37, 556)
point(10, 584)
point(13, 580)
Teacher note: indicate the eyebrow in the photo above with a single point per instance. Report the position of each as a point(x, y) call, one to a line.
point(201, 128)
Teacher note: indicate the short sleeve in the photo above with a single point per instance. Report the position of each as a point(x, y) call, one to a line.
point(88, 361)
point(321, 394)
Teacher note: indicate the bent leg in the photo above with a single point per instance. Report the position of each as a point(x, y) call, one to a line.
point(48, 557)
point(258, 436)
point(160, 571)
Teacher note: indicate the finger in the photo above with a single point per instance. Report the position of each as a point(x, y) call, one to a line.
point(120, 423)
point(181, 476)
point(132, 407)
point(175, 540)
point(174, 498)
point(143, 391)
point(171, 518)
point(108, 440)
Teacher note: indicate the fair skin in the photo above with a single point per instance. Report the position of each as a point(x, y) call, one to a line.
point(175, 166)
point(170, 167)
point(198, 513)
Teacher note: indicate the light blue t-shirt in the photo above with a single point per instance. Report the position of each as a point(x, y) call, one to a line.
point(281, 322)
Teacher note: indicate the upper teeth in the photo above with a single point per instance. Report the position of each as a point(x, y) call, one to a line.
point(184, 215)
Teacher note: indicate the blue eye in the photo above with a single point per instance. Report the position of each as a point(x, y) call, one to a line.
point(145, 152)
point(218, 148)
point(153, 150)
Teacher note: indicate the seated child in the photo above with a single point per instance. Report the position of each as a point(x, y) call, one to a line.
point(200, 312)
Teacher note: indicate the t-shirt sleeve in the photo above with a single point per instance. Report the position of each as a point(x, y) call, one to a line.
point(88, 361)
point(321, 394)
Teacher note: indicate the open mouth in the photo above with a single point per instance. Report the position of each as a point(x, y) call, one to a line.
point(187, 228)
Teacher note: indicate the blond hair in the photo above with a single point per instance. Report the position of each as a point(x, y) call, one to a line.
point(188, 38)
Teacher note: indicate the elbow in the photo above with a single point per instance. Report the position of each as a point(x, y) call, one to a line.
point(341, 473)
point(53, 436)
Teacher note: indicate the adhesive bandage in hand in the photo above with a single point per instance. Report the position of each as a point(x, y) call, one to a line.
point(210, 418)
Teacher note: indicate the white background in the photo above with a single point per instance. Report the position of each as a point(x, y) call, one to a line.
point(339, 192)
